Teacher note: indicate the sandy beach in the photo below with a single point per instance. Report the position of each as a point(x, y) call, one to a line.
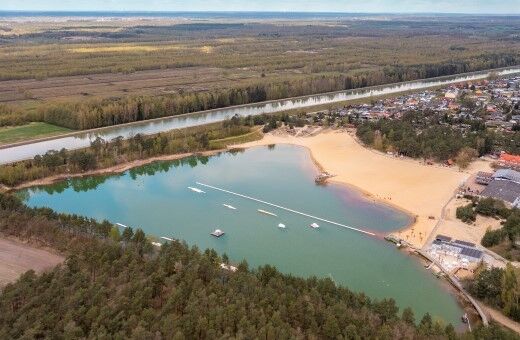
point(418, 189)
point(423, 191)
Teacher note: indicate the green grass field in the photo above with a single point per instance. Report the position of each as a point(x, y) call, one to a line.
point(20, 133)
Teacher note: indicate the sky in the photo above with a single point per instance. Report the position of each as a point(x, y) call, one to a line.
point(386, 6)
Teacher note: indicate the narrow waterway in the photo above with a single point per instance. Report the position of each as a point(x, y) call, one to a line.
point(81, 140)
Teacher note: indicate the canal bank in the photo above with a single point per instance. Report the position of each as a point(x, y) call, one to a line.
point(16, 152)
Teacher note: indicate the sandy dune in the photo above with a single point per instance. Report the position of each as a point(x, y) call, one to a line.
point(419, 189)
point(17, 258)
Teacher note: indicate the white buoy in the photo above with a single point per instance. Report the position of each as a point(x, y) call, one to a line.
point(197, 190)
point(286, 209)
point(266, 212)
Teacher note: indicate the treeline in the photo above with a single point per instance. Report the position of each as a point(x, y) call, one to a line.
point(62, 232)
point(503, 241)
point(105, 153)
point(94, 113)
point(499, 288)
point(417, 137)
point(484, 206)
point(10, 116)
point(265, 46)
point(116, 286)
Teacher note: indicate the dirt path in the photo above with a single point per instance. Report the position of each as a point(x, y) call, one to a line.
point(502, 319)
point(16, 258)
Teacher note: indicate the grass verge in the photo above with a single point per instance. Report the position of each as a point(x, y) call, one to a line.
point(12, 134)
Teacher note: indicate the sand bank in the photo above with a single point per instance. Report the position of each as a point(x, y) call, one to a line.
point(420, 190)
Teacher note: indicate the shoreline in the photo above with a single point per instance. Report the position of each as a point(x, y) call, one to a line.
point(115, 169)
point(385, 180)
point(366, 195)
point(319, 166)
point(332, 141)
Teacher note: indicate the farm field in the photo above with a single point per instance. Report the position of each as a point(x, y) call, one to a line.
point(84, 74)
point(28, 92)
point(13, 134)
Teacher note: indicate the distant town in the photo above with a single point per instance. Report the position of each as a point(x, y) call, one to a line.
point(494, 103)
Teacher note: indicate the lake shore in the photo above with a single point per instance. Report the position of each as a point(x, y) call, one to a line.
point(420, 190)
point(116, 169)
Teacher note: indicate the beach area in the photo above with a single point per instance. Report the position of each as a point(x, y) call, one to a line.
point(416, 188)
point(425, 192)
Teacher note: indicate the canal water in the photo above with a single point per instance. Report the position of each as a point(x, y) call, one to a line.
point(81, 140)
point(157, 199)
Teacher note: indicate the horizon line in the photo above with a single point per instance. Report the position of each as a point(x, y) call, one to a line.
point(250, 11)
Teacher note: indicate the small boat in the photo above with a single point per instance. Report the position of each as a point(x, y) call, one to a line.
point(314, 225)
point(217, 233)
point(121, 225)
point(156, 244)
point(266, 212)
point(197, 190)
point(229, 206)
point(281, 226)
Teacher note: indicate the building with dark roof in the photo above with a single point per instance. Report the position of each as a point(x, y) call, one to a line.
point(465, 250)
point(464, 243)
point(507, 175)
point(484, 178)
point(471, 252)
point(505, 190)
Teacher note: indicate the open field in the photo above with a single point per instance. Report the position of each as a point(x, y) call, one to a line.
point(27, 93)
point(93, 59)
point(12, 134)
point(419, 189)
point(16, 258)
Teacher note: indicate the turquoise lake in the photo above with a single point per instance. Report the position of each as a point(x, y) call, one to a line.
point(157, 199)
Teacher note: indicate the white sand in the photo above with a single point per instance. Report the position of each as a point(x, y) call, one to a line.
point(419, 189)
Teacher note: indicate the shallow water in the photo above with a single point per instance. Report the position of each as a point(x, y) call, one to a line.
point(157, 199)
